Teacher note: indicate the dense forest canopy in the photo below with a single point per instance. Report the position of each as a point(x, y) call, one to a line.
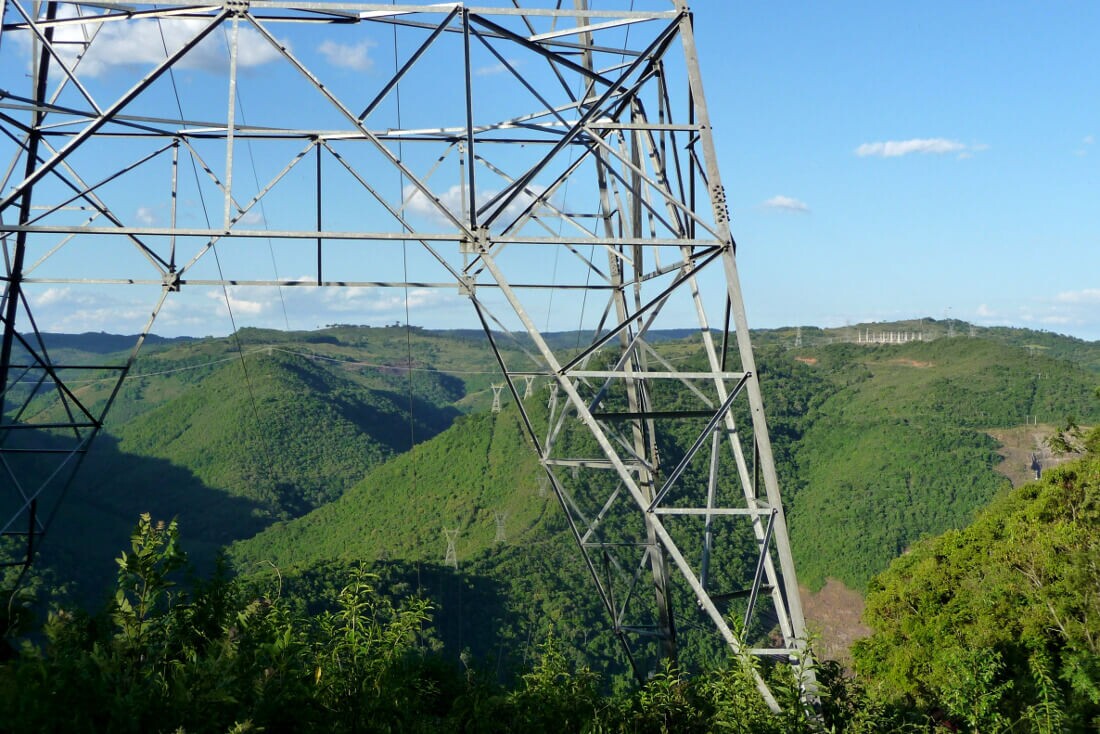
point(885, 454)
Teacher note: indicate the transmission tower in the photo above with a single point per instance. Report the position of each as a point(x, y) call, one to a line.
point(500, 537)
point(566, 152)
point(496, 397)
point(529, 387)
point(451, 557)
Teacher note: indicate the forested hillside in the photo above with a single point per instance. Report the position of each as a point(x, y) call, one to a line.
point(897, 447)
point(310, 453)
point(996, 627)
point(295, 449)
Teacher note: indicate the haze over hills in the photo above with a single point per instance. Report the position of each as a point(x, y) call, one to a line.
point(298, 454)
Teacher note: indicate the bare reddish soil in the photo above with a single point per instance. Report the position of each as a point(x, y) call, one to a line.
point(833, 617)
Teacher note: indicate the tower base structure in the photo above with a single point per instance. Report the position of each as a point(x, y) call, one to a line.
point(554, 168)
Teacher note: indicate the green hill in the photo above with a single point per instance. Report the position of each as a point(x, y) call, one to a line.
point(876, 447)
point(461, 480)
point(997, 626)
point(897, 447)
point(280, 430)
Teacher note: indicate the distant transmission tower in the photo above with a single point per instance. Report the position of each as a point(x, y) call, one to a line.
point(496, 397)
point(529, 388)
point(451, 557)
point(501, 517)
point(604, 104)
point(798, 338)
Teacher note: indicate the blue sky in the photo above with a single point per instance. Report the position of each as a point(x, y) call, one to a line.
point(882, 161)
point(998, 220)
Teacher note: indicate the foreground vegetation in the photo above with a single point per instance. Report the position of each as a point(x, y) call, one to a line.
point(995, 628)
point(227, 656)
point(986, 628)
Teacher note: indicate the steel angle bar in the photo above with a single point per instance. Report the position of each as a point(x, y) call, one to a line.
point(44, 36)
point(676, 473)
point(594, 525)
point(50, 370)
point(520, 77)
point(759, 575)
point(397, 214)
point(101, 120)
point(64, 465)
point(355, 122)
point(87, 193)
point(667, 196)
point(19, 488)
point(556, 71)
point(554, 57)
point(544, 198)
point(409, 63)
point(384, 9)
point(796, 621)
point(687, 381)
point(631, 187)
point(564, 500)
point(659, 375)
point(653, 303)
point(610, 125)
point(506, 197)
point(227, 193)
point(127, 12)
point(708, 511)
point(639, 569)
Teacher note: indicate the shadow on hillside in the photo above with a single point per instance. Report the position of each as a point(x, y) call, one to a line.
point(94, 519)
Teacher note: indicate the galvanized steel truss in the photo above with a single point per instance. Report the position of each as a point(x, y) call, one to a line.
point(608, 101)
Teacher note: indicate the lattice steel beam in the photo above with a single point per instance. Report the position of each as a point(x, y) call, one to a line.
point(587, 165)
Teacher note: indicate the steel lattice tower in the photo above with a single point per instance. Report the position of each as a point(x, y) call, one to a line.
point(554, 156)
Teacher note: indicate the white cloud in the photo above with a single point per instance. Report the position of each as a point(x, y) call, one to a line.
point(143, 43)
point(386, 302)
point(985, 312)
point(417, 203)
point(1088, 140)
point(253, 306)
point(145, 215)
point(349, 56)
point(72, 310)
point(897, 148)
point(786, 204)
point(494, 69)
point(1085, 296)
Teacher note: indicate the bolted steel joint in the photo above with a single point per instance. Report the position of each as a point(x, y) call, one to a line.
point(171, 281)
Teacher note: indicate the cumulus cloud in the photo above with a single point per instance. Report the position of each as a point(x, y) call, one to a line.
point(786, 204)
point(898, 148)
point(349, 56)
point(95, 48)
point(1085, 296)
point(253, 305)
point(985, 312)
point(145, 215)
point(494, 69)
point(75, 310)
point(417, 203)
point(387, 302)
